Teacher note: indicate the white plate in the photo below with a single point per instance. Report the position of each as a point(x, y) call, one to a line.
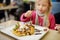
point(31, 37)
point(1, 27)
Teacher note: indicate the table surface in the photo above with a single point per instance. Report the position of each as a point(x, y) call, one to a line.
point(8, 7)
point(51, 35)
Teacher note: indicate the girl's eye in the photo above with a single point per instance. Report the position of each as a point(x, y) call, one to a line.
point(38, 4)
point(43, 5)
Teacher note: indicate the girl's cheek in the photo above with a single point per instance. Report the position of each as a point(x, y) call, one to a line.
point(45, 9)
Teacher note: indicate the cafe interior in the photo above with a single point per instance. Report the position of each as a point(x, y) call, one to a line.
point(10, 13)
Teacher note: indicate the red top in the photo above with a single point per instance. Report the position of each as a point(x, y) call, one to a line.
point(40, 19)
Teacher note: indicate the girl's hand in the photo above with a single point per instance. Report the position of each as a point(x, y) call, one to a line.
point(28, 14)
point(58, 28)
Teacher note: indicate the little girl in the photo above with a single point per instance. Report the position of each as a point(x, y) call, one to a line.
point(41, 15)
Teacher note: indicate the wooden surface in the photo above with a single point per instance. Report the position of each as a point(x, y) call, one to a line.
point(51, 35)
point(8, 7)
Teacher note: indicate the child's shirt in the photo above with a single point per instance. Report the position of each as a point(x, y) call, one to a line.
point(40, 19)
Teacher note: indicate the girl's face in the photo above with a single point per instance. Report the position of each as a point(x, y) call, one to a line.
point(42, 5)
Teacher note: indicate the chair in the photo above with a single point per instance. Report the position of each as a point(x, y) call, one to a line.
point(2, 13)
point(57, 18)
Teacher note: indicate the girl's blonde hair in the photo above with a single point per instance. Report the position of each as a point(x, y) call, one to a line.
point(46, 19)
point(47, 14)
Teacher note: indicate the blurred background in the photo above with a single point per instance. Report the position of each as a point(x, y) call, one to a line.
point(55, 6)
point(56, 10)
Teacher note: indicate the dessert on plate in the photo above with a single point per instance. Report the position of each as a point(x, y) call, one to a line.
point(23, 30)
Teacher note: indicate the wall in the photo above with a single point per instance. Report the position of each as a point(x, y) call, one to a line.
point(55, 7)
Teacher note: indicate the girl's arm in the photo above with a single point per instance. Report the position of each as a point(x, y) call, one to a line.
point(24, 19)
point(52, 22)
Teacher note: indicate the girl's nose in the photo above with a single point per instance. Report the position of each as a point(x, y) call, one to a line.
point(40, 7)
